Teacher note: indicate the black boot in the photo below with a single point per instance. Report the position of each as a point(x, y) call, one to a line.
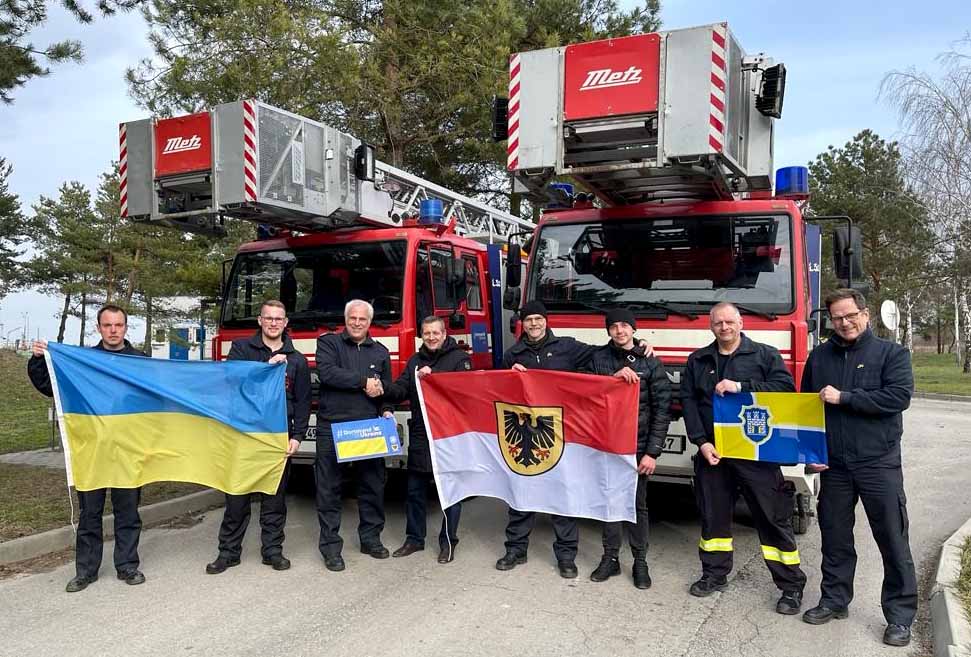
point(642, 576)
point(609, 566)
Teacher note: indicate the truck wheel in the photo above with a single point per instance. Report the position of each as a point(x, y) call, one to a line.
point(800, 514)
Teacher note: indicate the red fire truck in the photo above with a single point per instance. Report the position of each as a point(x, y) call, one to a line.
point(336, 225)
point(669, 137)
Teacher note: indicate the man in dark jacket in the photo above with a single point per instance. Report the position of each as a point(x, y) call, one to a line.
point(538, 348)
point(270, 344)
point(866, 383)
point(733, 363)
point(354, 370)
point(89, 546)
point(438, 353)
point(623, 359)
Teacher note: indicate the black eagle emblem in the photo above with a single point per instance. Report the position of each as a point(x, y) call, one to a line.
point(529, 441)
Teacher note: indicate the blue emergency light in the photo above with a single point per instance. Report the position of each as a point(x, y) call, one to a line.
point(431, 211)
point(567, 196)
point(792, 182)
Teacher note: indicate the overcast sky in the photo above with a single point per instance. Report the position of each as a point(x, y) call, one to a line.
point(64, 127)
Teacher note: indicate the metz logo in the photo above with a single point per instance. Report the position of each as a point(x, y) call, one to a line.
point(606, 77)
point(181, 144)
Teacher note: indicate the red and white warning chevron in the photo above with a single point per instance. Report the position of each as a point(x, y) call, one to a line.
point(716, 119)
point(249, 151)
point(512, 148)
point(123, 168)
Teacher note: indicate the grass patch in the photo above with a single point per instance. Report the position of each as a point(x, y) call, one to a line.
point(964, 579)
point(941, 374)
point(23, 410)
point(34, 499)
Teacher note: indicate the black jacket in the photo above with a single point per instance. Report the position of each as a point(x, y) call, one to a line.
point(876, 383)
point(297, 381)
point(654, 408)
point(343, 368)
point(41, 378)
point(553, 353)
point(450, 358)
point(758, 367)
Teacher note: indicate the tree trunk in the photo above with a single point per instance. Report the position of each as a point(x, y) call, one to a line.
point(84, 315)
point(957, 321)
point(908, 340)
point(132, 277)
point(966, 316)
point(63, 326)
point(147, 345)
point(940, 343)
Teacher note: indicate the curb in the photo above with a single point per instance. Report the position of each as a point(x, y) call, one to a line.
point(942, 397)
point(952, 629)
point(35, 545)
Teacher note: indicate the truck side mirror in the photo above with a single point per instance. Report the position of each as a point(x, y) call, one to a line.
point(514, 266)
point(456, 280)
point(511, 297)
point(848, 253)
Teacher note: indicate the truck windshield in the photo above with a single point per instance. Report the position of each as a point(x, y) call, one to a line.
point(314, 283)
point(685, 264)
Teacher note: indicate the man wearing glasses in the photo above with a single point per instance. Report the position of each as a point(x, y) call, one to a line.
point(270, 344)
point(866, 384)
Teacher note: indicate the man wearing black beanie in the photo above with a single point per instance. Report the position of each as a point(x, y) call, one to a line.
point(624, 359)
point(539, 348)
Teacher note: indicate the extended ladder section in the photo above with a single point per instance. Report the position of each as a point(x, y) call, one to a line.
point(251, 161)
point(471, 218)
point(680, 114)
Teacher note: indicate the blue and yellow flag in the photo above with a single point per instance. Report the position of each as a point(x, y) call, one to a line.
point(778, 427)
point(127, 421)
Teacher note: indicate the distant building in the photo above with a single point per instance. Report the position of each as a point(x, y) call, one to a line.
point(178, 335)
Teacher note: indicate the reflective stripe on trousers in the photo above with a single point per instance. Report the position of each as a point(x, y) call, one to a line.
point(775, 554)
point(716, 545)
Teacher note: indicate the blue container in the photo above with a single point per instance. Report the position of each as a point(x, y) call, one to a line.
point(431, 211)
point(792, 181)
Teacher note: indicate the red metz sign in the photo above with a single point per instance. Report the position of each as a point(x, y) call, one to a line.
point(183, 144)
point(611, 77)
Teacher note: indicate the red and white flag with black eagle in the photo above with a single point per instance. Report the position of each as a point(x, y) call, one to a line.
point(541, 440)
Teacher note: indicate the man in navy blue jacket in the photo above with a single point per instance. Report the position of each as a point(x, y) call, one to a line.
point(866, 383)
point(270, 344)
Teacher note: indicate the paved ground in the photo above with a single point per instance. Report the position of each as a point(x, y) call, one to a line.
point(48, 458)
point(415, 606)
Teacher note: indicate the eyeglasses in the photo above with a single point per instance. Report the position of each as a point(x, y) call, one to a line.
point(849, 317)
point(273, 320)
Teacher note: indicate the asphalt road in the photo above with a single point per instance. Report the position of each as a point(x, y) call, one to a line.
point(416, 606)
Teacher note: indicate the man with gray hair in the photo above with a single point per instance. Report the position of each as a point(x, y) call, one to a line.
point(354, 371)
point(732, 364)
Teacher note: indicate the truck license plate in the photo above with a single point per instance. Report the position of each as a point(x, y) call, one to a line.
point(674, 444)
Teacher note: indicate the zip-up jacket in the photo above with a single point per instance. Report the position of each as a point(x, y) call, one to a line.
point(448, 358)
point(876, 382)
point(297, 377)
point(343, 368)
point(758, 367)
point(41, 378)
point(551, 353)
point(654, 407)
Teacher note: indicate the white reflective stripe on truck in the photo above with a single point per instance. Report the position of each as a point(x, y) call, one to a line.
point(308, 346)
point(673, 342)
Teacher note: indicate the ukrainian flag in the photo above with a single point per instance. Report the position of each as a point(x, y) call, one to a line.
point(127, 421)
point(778, 427)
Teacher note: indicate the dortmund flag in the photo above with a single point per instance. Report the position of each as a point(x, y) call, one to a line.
point(128, 421)
point(778, 427)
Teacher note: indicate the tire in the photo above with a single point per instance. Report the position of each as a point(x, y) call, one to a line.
point(800, 514)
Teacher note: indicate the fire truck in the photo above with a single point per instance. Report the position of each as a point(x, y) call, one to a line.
point(335, 225)
point(669, 139)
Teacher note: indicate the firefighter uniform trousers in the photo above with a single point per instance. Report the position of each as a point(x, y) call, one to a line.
point(762, 486)
point(273, 518)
